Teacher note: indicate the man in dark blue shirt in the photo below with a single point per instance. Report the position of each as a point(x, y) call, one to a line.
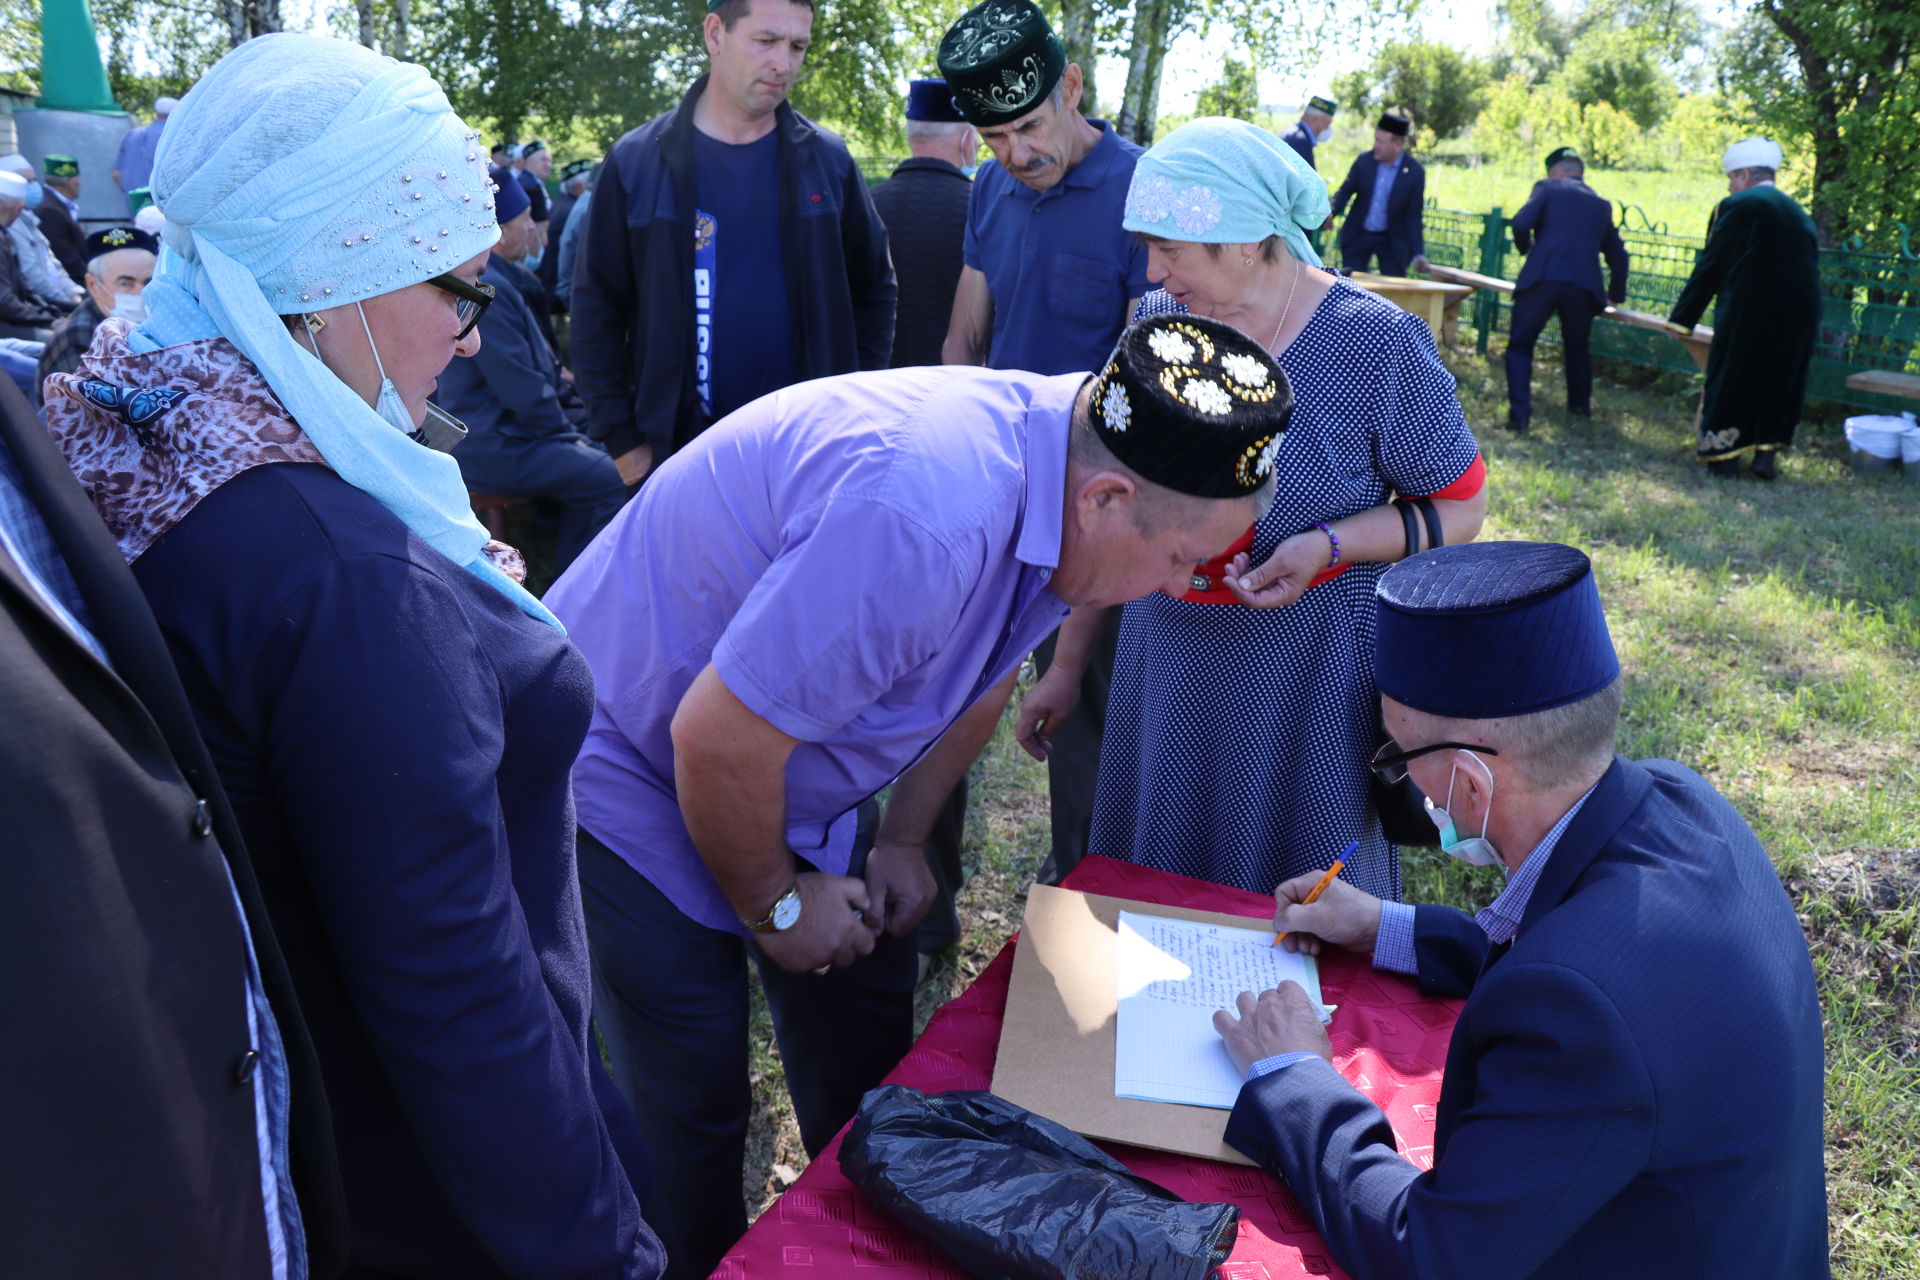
point(731, 249)
point(1051, 278)
point(1564, 228)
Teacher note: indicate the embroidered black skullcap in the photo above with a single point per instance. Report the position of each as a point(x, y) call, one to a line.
point(576, 168)
point(932, 100)
point(1558, 154)
point(1318, 103)
point(60, 166)
point(536, 145)
point(1194, 405)
point(1488, 629)
point(118, 238)
point(1398, 126)
point(1001, 59)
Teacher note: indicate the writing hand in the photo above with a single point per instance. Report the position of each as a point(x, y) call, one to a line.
point(1343, 915)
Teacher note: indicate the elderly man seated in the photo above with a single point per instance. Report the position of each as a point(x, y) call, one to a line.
point(119, 266)
point(522, 440)
point(23, 314)
point(1634, 1085)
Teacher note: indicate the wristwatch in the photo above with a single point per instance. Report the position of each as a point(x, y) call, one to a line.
point(781, 916)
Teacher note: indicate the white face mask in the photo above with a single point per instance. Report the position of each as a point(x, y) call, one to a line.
point(1477, 850)
point(1323, 137)
point(130, 306)
point(389, 406)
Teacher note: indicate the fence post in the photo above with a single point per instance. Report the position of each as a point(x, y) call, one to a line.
point(1487, 306)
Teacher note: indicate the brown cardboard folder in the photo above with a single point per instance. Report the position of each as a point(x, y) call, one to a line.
point(1056, 1042)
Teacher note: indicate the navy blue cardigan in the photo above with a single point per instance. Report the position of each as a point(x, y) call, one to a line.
point(396, 739)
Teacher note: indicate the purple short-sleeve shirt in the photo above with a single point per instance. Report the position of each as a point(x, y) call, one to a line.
point(860, 558)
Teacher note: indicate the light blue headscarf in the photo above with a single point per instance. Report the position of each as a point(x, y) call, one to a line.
point(1220, 181)
point(304, 173)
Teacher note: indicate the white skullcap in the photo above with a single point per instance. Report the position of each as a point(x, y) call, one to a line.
point(1752, 153)
point(12, 186)
point(165, 106)
point(150, 219)
point(16, 163)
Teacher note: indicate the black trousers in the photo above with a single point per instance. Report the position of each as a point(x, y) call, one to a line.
point(1532, 308)
point(1355, 253)
point(670, 999)
point(1073, 770)
point(941, 927)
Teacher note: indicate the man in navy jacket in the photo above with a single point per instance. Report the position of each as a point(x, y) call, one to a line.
point(1634, 1085)
point(1564, 229)
point(731, 249)
point(1388, 189)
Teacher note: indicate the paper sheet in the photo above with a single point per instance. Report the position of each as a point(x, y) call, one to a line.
point(1173, 975)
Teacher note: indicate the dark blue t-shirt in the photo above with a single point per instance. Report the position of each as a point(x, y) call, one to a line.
point(743, 323)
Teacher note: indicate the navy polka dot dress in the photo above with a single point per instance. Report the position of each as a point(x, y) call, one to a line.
point(1236, 739)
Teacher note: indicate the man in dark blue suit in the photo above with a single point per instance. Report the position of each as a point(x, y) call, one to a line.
point(1315, 125)
point(1564, 229)
point(1388, 189)
point(1634, 1086)
point(524, 424)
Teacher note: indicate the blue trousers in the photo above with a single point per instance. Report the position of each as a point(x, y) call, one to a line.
point(1532, 308)
point(1355, 253)
point(670, 998)
point(571, 469)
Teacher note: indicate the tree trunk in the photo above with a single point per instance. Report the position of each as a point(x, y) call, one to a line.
point(263, 17)
point(365, 8)
point(1078, 32)
point(399, 49)
point(1829, 149)
point(235, 13)
point(1150, 19)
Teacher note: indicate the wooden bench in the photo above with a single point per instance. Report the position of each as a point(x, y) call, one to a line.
point(1474, 282)
point(491, 509)
point(1885, 382)
point(1697, 343)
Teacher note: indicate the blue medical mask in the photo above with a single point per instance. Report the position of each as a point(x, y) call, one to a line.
point(532, 262)
point(1475, 851)
point(970, 169)
point(36, 194)
point(389, 406)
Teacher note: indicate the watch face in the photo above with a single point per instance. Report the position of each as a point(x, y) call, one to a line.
point(786, 912)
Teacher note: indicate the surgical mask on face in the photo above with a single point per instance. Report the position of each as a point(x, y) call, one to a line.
point(533, 260)
point(35, 195)
point(970, 169)
point(1323, 137)
point(389, 405)
point(1477, 850)
point(130, 306)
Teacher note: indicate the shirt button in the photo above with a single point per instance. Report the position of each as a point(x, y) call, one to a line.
point(243, 1069)
point(202, 819)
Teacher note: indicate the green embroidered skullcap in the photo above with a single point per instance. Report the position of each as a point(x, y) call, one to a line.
point(1326, 105)
point(1220, 181)
point(60, 166)
point(576, 169)
point(1000, 60)
point(1558, 154)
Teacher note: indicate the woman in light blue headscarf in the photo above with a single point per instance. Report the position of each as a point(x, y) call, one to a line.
point(393, 715)
point(1242, 715)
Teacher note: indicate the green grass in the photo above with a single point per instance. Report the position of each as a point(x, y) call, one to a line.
point(1681, 199)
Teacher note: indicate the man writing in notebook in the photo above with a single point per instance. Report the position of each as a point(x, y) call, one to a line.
point(1634, 1083)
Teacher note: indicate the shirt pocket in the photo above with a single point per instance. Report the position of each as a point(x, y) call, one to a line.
point(1086, 291)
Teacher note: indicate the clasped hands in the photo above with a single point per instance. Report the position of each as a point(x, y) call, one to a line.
point(1284, 1020)
point(841, 917)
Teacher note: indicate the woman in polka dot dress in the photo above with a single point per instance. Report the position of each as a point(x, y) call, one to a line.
point(1242, 714)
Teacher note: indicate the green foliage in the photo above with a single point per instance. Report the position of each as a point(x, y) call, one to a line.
point(1439, 86)
point(1617, 66)
point(1522, 122)
point(1835, 82)
point(1237, 94)
point(1355, 91)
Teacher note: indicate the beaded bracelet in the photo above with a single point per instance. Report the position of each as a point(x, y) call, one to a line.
point(1334, 539)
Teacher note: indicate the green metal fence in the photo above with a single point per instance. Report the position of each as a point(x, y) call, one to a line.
point(1871, 319)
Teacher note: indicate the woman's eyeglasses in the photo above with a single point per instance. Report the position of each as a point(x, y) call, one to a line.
point(1389, 763)
point(473, 299)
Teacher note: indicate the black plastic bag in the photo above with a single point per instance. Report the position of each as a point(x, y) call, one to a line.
point(1010, 1195)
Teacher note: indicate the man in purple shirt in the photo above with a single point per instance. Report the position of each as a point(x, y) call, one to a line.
point(826, 594)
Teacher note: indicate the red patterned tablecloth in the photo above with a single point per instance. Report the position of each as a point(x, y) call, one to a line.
point(1387, 1038)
